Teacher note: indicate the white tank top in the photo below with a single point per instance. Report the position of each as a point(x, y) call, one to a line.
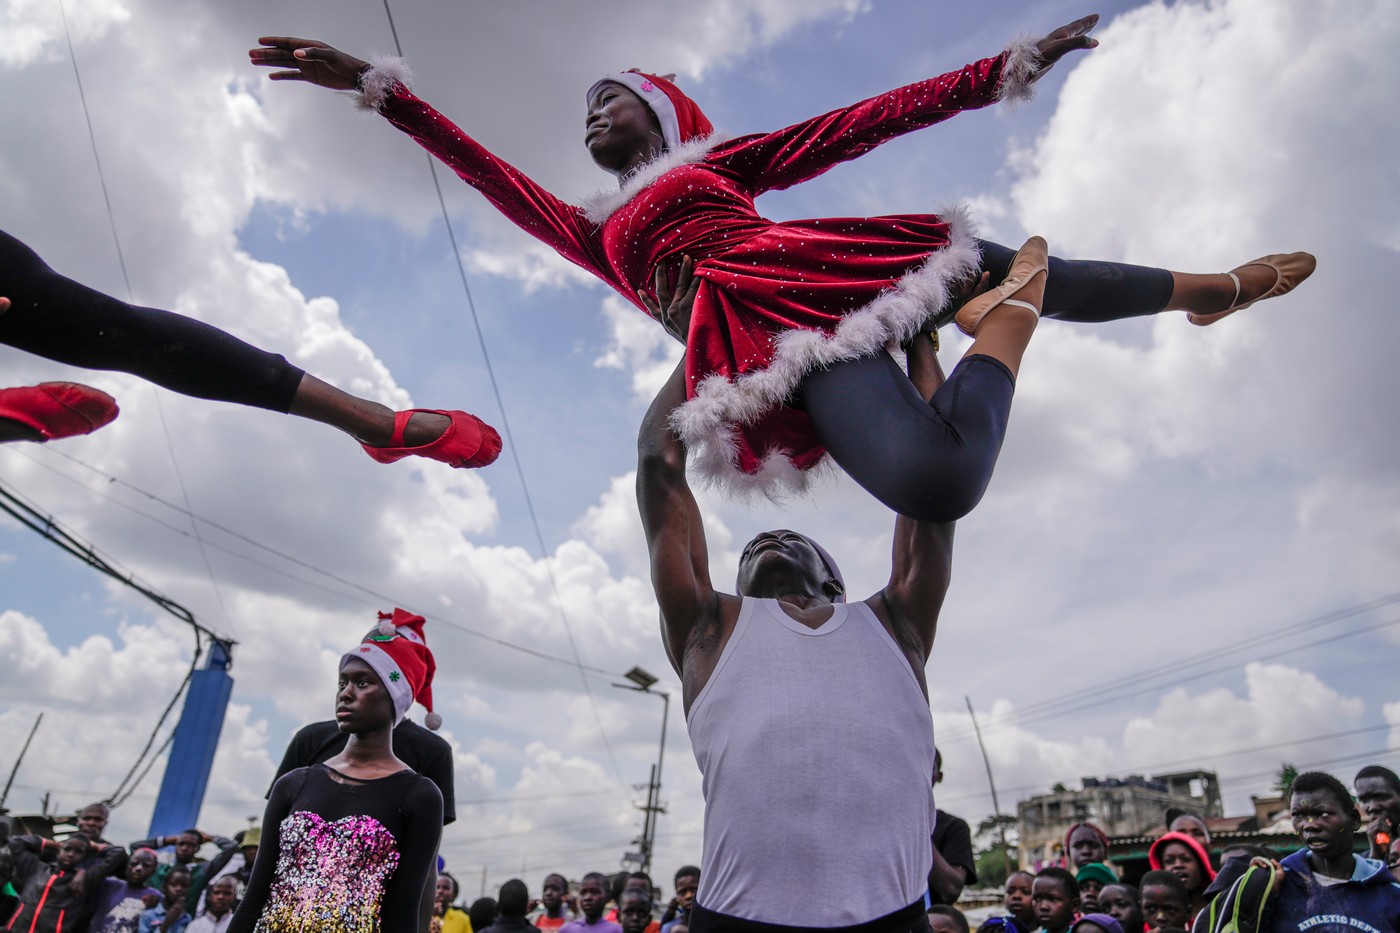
point(816, 749)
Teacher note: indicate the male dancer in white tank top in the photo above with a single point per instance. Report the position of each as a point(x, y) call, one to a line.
point(809, 716)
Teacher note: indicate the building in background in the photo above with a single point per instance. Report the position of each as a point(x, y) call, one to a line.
point(1127, 806)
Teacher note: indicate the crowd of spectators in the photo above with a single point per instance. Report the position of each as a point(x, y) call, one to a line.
point(84, 883)
point(619, 903)
point(1340, 876)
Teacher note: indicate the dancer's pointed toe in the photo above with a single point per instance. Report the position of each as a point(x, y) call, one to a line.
point(58, 409)
point(1290, 270)
point(467, 443)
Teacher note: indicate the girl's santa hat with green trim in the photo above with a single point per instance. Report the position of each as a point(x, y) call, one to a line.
point(398, 652)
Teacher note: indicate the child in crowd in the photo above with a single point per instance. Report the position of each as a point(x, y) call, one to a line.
point(121, 902)
point(1055, 896)
point(186, 847)
point(943, 918)
point(169, 915)
point(687, 882)
point(1085, 843)
point(219, 901)
point(634, 910)
point(1165, 902)
point(554, 897)
point(1326, 887)
point(1180, 821)
point(43, 872)
point(1016, 898)
point(1093, 878)
point(446, 918)
point(236, 863)
point(1120, 901)
point(621, 883)
point(482, 913)
point(1096, 923)
point(593, 893)
point(1184, 856)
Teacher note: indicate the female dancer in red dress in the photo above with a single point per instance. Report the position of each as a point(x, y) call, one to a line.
point(790, 318)
point(49, 315)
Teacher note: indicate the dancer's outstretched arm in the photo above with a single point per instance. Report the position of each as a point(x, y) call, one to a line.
point(804, 150)
point(558, 224)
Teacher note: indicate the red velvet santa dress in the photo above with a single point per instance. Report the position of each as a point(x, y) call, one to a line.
point(776, 300)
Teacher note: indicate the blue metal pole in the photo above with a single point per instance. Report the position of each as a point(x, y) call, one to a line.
point(192, 751)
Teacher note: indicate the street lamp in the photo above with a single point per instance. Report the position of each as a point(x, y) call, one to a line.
point(642, 682)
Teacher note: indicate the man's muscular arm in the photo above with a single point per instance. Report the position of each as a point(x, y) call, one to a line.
point(922, 558)
point(675, 534)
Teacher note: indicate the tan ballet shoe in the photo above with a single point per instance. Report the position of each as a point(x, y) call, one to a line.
point(1031, 259)
point(1291, 269)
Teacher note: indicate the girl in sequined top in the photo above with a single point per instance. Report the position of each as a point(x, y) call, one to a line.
point(349, 844)
point(780, 303)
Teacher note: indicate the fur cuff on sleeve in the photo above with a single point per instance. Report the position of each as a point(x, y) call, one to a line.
point(385, 72)
point(1023, 66)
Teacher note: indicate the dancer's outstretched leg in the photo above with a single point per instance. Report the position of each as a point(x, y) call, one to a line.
point(1092, 292)
point(931, 460)
point(62, 320)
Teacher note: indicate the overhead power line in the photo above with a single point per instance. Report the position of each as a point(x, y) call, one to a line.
point(1198, 759)
point(29, 515)
point(126, 280)
point(1130, 685)
point(379, 599)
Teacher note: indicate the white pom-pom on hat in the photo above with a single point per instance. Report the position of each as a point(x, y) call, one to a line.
point(433, 721)
point(386, 625)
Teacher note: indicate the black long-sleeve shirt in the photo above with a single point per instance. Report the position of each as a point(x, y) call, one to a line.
point(342, 852)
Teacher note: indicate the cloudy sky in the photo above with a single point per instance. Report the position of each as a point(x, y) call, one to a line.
point(1156, 579)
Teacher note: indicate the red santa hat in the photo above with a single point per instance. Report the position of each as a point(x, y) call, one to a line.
point(398, 652)
point(681, 118)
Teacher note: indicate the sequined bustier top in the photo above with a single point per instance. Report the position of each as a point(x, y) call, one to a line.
point(330, 874)
point(348, 856)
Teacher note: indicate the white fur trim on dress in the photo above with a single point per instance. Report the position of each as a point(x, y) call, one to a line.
point(600, 206)
point(706, 422)
point(384, 73)
point(1022, 69)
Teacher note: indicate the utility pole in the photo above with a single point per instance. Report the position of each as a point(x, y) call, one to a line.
point(642, 682)
point(991, 782)
point(15, 770)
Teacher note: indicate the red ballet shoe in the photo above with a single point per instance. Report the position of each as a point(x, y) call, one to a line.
point(468, 441)
point(58, 409)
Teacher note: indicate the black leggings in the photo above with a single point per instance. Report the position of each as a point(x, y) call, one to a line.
point(1087, 291)
point(57, 318)
point(932, 460)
